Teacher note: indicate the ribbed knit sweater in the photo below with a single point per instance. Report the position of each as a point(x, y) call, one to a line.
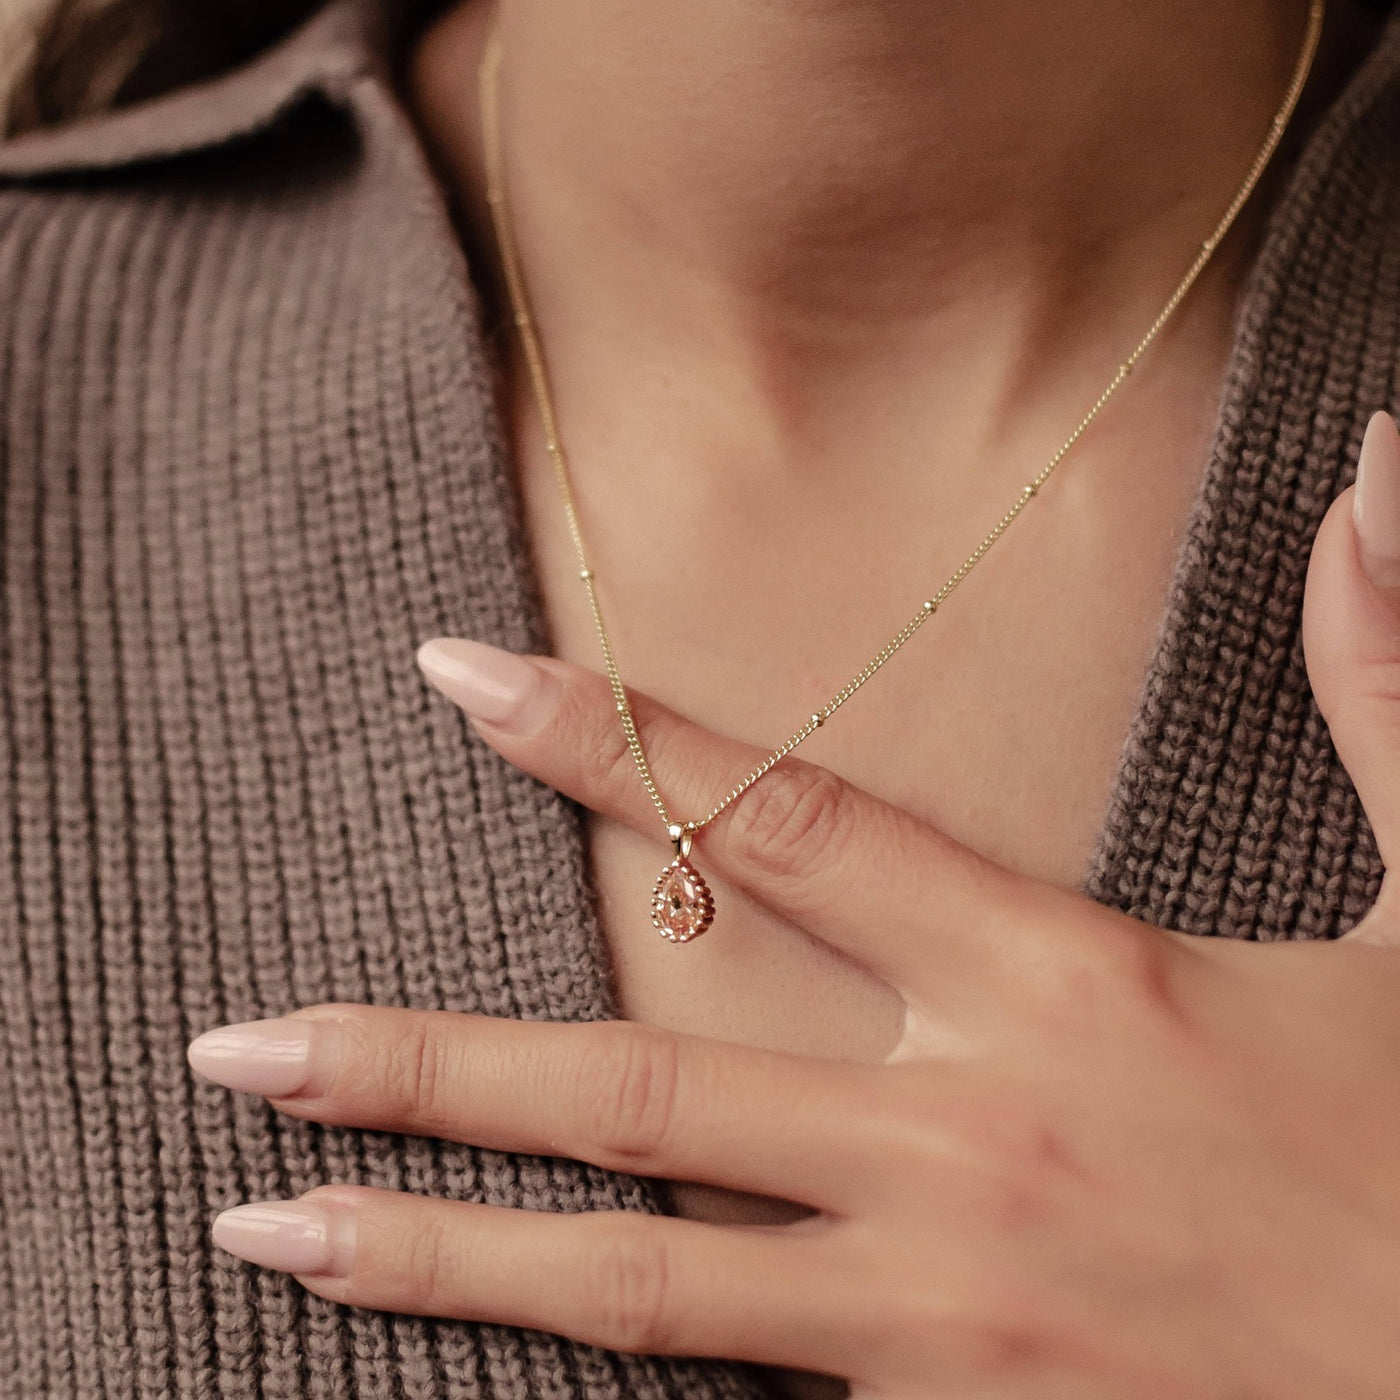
point(249, 458)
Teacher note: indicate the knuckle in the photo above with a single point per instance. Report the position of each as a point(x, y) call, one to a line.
point(628, 1077)
point(630, 1286)
point(789, 818)
point(986, 1319)
point(612, 761)
point(1004, 1139)
point(1140, 969)
point(1045, 1154)
point(1100, 976)
point(590, 721)
point(425, 1269)
point(1029, 1150)
point(415, 1072)
point(996, 1323)
point(1015, 1345)
point(1021, 1193)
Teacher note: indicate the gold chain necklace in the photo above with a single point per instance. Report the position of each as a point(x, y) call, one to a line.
point(682, 907)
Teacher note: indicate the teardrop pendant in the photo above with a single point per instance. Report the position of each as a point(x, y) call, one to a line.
point(682, 907)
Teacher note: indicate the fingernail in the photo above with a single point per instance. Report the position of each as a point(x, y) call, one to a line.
point(1376, 504)
point(494, 686)
point(273, 1058)
point(297, 1237)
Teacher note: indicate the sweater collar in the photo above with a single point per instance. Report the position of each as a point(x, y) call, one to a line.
point(323, 56)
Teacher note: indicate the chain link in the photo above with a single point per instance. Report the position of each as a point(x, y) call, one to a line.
point(539, 382)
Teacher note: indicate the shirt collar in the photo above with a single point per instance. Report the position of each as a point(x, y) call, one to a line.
point(343, 39)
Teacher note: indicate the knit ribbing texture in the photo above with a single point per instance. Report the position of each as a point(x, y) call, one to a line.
point(249, 456)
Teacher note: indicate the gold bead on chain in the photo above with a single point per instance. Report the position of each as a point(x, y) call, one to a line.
point(682, 906)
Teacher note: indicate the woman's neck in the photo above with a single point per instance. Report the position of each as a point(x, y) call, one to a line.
point(865, 158)
point(772, 189)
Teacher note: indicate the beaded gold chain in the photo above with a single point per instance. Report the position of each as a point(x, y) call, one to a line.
point(682, 905)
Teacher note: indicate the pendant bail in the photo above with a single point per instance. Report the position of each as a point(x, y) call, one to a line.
point(681, 834)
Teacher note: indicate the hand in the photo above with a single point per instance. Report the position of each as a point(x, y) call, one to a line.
point(1105, 1161)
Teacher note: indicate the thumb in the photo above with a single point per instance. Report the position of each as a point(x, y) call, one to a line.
point(1351, 632)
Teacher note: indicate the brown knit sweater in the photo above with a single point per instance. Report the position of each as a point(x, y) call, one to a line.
point(248, 459)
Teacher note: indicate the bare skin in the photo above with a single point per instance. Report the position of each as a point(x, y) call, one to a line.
point(821, 286)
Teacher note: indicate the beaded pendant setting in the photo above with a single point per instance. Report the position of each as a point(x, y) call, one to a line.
point(682, 907)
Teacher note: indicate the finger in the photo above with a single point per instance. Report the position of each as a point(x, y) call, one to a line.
point(625, 1282)
point(1351, 630)
point(625, 1097)
point(891, 892)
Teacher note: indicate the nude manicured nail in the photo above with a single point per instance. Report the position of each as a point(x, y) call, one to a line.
point(1376, 504)
point(297, 1237)
point(272, 1058)
point(494, 686)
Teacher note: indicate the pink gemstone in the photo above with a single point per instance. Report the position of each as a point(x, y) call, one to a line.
point(682, 907)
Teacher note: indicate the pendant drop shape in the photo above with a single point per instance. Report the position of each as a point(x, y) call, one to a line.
point(682, 907)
